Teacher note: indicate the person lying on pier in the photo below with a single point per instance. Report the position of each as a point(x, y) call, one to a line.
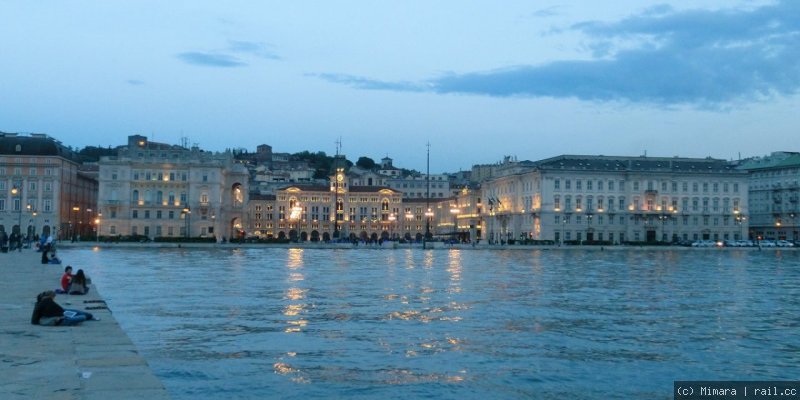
point(48, 312)
point(66, 281)
point(79, 283)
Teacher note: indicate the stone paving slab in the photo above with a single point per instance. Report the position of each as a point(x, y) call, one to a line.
point(93, 360)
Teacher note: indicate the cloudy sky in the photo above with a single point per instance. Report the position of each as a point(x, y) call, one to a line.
point(478, 80)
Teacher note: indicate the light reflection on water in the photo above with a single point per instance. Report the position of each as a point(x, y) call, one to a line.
point(304, 323)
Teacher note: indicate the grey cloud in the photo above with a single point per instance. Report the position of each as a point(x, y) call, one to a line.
point(210, 59)
point(135, 82)
point(702, 58)
point(370, 84)
point(254, 48)
point(546, 12)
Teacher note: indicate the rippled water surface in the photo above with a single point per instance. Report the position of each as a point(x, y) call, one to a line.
point(457, 324)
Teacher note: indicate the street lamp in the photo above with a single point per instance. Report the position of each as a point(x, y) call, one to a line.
point(664, 217)
point(428, 217)
point(740, 218)
point(409, 218)
point(97, 228)
point(455, 212)
point(17, 191)
point(392, 220)
point(186, 212)
point(564, 226)
point(589, 217)
point(75, 209)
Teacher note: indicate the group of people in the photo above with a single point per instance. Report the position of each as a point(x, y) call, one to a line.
point(73, 284)
point(10, 243)
point(48, 249)
point(48, 312)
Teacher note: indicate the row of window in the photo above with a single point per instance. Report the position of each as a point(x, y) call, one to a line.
point(622, 220)
point(157, 176)
point(620, 185)
point(649, 204)
point(157, 214)
point(32, 171)
point(47, 205)
point(32, 186)
point(638, 236)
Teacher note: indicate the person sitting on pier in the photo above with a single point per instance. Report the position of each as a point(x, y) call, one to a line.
point(79, 284)
point(66, 280)
point(45, 260)
point(48, 312)
point(53, 258)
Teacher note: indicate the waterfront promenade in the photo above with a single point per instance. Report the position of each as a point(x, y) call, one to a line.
point(94, 360)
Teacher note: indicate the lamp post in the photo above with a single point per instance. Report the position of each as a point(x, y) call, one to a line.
point(663, 217)
point(428, 217)
point(740, 218)
point(186, 212)
point(409, 218)
point(392, 220)
point(16, 190)
point(97, 228)
point(589, 217)
point(564, 226)
point(455, 212)
point(491, 219)
point(74, 227)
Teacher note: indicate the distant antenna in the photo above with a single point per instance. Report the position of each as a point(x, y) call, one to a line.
point(184, 142)
point(338, 145)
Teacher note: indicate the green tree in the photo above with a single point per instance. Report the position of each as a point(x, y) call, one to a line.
point(365, 163)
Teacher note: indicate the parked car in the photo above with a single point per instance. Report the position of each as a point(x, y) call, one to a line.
point(704, 243)
point(784, 243)
point(731, 243)
point(745, 243)
point(766, 243)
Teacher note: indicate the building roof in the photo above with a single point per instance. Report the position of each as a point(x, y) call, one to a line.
point(34, 145)
point(351, 189)
point(262, 197)
point(634, 164)
point(774, 161)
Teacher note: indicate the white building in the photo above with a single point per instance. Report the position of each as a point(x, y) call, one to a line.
point(159, 190)
point(774, 189)
point(617, 200)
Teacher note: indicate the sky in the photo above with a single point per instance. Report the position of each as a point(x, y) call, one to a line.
point(477, 80)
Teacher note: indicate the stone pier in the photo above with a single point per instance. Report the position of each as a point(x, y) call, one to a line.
point(93, 360)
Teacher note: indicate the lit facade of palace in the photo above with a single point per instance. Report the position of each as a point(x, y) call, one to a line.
point(322, 213)
point(160, 190)
point(774, 192)
point(43, 190)
point(617, 200)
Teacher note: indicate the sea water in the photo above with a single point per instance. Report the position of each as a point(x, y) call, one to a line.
point(257, 323)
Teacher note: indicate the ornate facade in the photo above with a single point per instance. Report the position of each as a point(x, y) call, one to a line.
point(160, 190)
point(42, 190)
point(774, 192)
point(618, 200)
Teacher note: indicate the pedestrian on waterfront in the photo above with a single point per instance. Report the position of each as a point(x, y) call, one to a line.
point(3, 242)
point(66, 280)
point(79, 285)
point(48, 312)
point(53, 258)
